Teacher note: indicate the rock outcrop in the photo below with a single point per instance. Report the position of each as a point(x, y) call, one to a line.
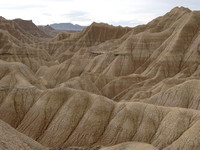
point(103, 88)
point(11, 139)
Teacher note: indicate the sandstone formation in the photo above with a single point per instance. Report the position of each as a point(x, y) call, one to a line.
point(130, 146)
point(11, 139)
point(105, 87)
point(30, 27)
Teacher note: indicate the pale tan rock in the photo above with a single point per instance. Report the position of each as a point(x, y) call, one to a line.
point(11, 139)
point(30, 27)
point(130, 146)
point(104, 85)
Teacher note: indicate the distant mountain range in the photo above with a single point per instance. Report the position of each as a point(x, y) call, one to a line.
point(67, 26)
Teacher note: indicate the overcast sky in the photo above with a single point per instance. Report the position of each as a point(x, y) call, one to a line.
point(84, 12)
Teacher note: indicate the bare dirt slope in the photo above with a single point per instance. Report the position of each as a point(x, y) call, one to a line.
point(105, 87)
point(11, 139)
point(30, 27)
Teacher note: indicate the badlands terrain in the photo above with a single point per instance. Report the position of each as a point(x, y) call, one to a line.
point(106, 87)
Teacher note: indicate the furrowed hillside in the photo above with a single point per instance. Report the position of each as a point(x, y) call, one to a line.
point(104, 87)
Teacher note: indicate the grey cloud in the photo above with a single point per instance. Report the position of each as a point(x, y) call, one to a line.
point(21, 6)
point(47, 14)
point(130, 23)
point(77, 16)
point(59, 0)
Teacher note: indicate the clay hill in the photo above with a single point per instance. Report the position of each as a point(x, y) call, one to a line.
point(106, 87)
point(30, 27)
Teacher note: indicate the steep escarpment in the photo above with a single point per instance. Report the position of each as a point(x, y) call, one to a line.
point(14, 29)
point(30, 27)
point(17, 46)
